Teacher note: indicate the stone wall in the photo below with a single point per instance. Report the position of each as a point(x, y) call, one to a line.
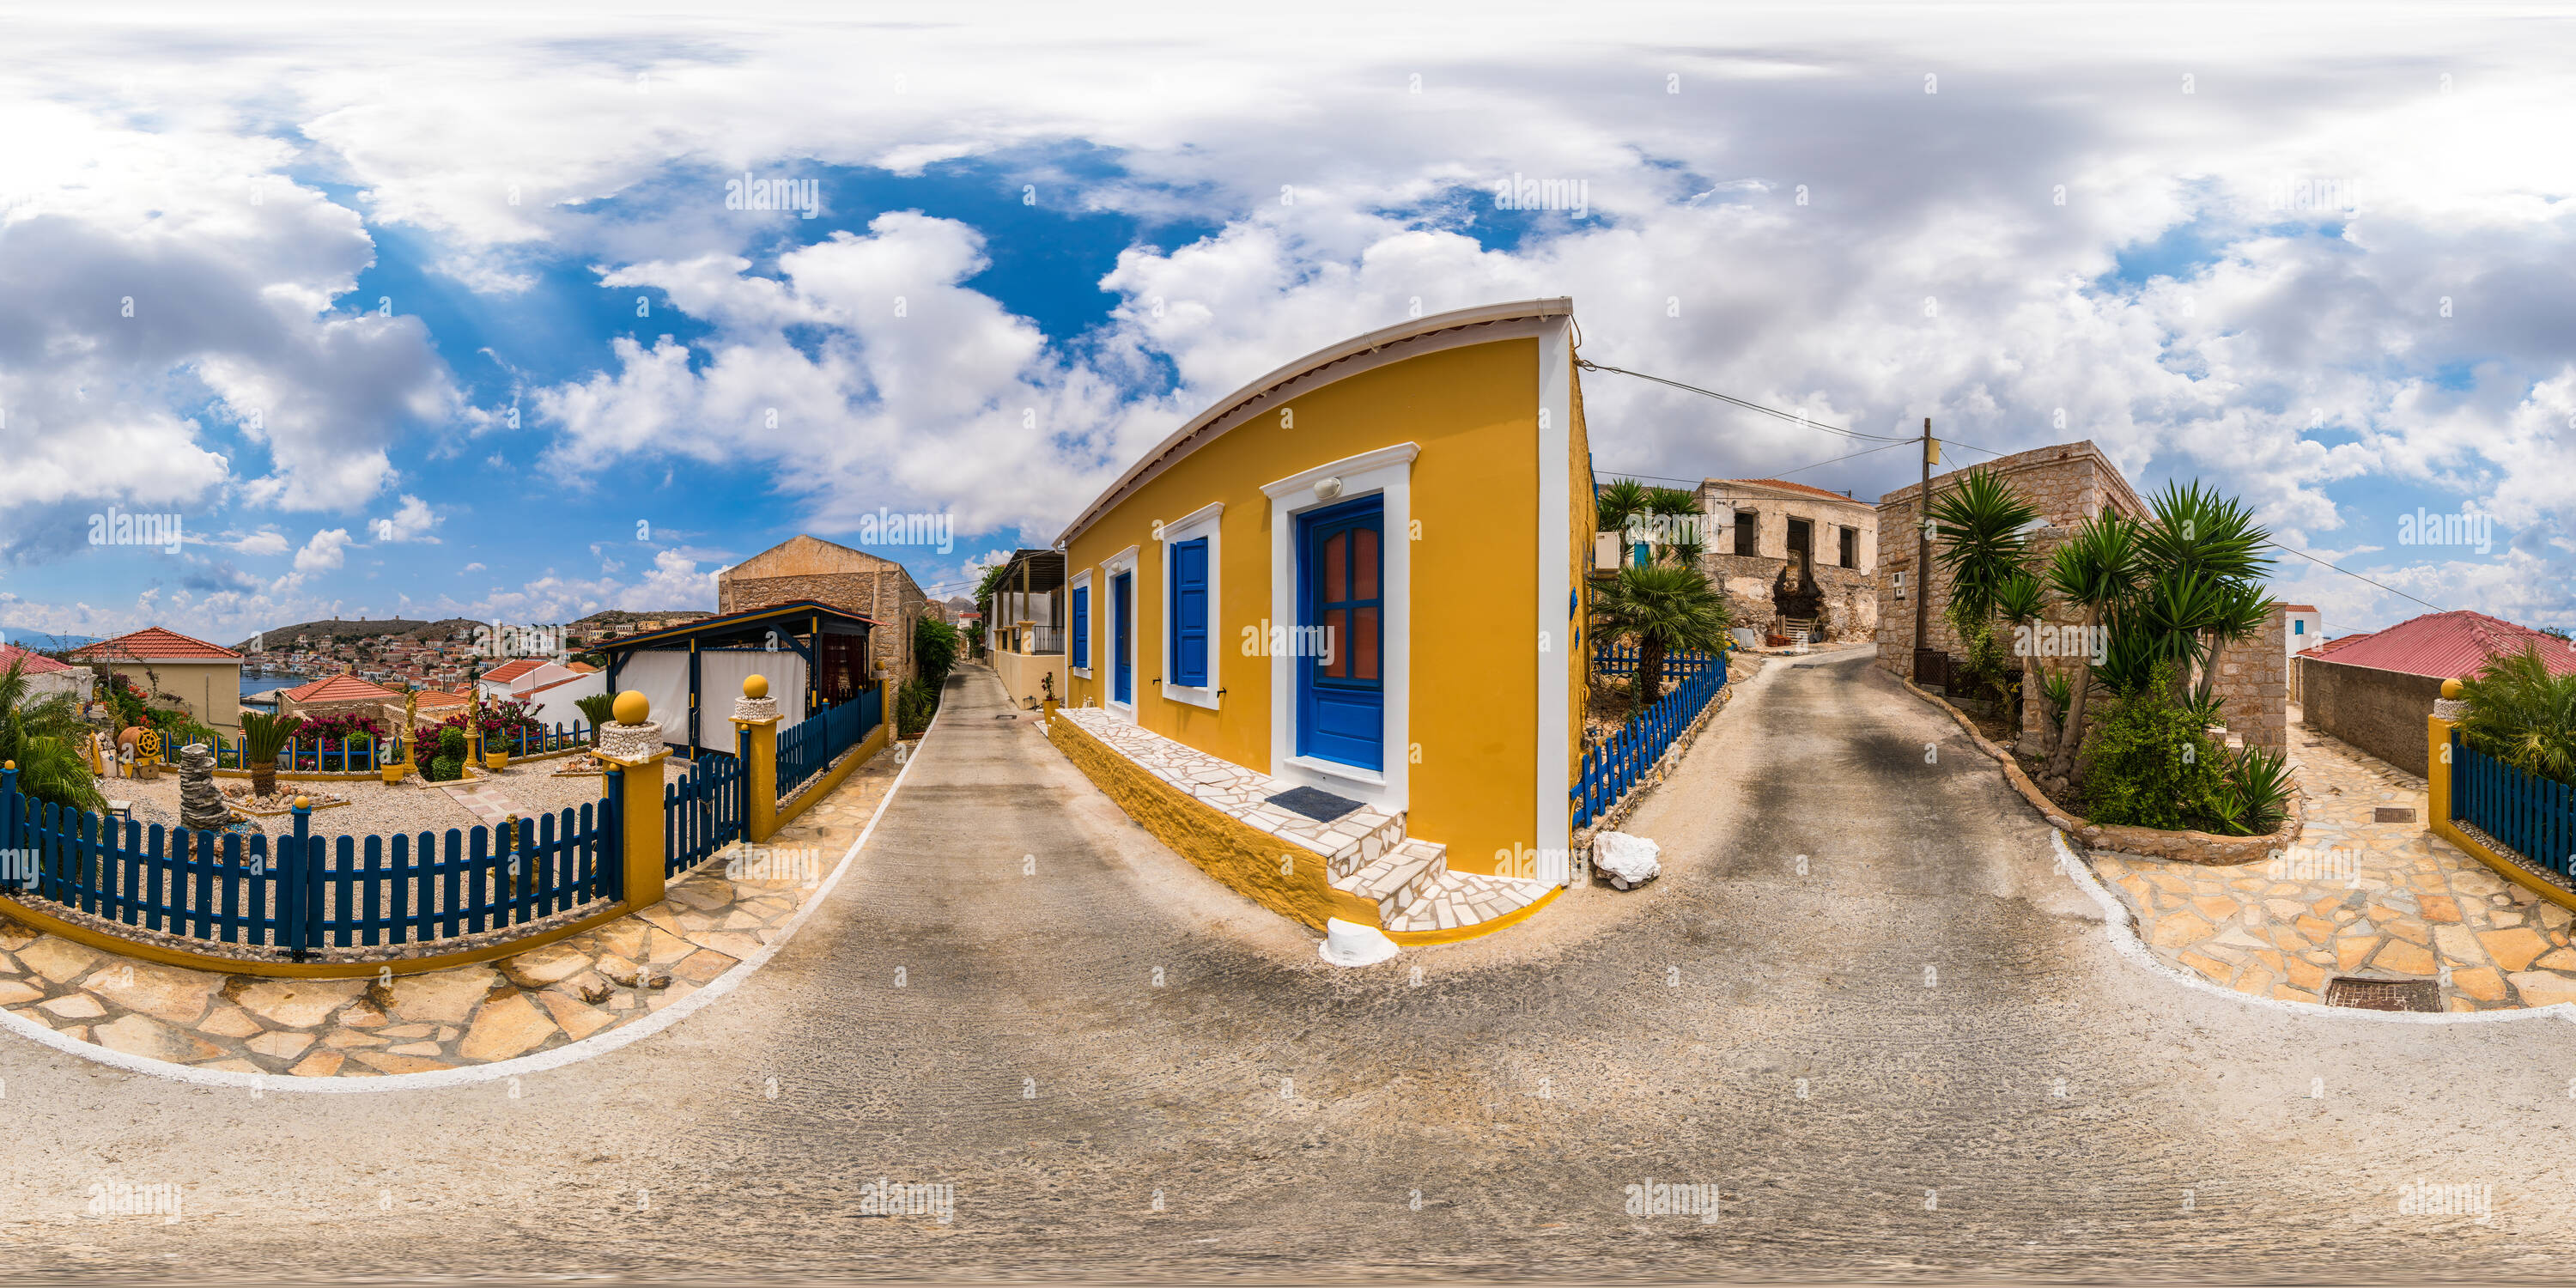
point(2254, 683)
point(2380, 712)
point(1850, 607)
point(883, 595)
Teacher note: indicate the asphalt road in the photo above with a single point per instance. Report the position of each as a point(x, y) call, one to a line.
point(1916, 1057)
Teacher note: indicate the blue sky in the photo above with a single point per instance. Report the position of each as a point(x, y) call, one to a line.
point(360, 303)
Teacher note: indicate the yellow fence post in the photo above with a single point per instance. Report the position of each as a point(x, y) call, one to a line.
point(756, 719)
point(623, 749)
point(2437, 763)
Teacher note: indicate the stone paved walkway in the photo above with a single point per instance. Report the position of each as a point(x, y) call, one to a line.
point(2355, 897)
point(545, 998)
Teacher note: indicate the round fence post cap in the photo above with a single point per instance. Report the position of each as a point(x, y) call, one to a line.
point(303, 802)
point(2451, 690)
point(632, 707)
point(755, 686)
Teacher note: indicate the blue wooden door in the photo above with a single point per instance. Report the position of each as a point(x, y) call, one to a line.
point(1122, 620)
point(1341, 668)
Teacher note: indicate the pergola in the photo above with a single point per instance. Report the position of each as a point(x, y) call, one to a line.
point(802, 646)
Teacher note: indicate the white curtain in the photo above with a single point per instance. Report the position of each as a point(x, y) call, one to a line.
point(662, 676)
point(720, 677)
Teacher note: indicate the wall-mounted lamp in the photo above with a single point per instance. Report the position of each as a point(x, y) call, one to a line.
point(1327, 489)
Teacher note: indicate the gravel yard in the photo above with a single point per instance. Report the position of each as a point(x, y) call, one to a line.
point(373, 807)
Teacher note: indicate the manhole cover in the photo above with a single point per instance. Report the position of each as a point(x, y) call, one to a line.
point(2384, 994)
point(2393, 814)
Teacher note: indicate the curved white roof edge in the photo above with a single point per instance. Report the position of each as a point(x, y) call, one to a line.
point(1178, 444)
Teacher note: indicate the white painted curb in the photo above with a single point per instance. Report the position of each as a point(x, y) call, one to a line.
point(569, 1053)
point(2124, 937)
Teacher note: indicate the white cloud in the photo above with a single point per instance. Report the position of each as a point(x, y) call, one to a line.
point(410, 523)
point(266, 541)
point(323, 552)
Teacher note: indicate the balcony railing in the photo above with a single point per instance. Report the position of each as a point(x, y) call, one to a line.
point(1034, 640)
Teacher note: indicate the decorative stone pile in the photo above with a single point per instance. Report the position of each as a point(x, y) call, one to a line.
point(201, 806)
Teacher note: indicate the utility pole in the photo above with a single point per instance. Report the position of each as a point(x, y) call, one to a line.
point(1923, 556)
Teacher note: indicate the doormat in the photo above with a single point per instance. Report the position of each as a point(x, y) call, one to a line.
point(1321, 806)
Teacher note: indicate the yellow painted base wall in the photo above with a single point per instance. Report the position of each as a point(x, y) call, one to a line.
point(1244, 857)
point(1019, 674)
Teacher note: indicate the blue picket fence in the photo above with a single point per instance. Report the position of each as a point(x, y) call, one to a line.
point(365, 755)
point(702, 812)
point(303, 892)
point(2534, 815)
point(1622, 660)
point(1612, 768)
point(819, 739)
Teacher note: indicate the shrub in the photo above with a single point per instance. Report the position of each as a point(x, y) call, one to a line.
point(914, 705)
point(2521, 714)
point(445, 768)
point(2254, 797)
point(451, 744)
point(2153, 765)
point(934, 649)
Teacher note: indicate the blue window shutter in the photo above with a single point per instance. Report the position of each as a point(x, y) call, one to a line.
point(1190, 612)
point(1082, 627)
point(2298, 628)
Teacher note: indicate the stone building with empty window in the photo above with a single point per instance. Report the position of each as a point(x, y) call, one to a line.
point(1789, 556)
point(854, 581)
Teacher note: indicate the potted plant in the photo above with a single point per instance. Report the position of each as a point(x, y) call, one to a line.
point(263, 736)
point(496, 748)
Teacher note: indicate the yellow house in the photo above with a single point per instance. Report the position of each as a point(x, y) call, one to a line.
point(1326, 640)
point(207, 677)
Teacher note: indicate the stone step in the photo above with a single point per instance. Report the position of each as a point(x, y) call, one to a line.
point(1396, 878)
point(1458, 899)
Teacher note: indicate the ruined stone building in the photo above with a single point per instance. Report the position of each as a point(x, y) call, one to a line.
point(1792, 557)
point(2069, 482)
point(854, 581)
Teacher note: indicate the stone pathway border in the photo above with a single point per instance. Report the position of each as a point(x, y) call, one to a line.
point(2117, 919)
point(556, 1058)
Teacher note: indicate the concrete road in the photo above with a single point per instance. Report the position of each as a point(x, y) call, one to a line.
point(1918, 1056)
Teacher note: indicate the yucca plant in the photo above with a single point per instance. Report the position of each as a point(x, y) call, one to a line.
point(1665, 608)
point(43, 736)
point(2095, 570)
point(2523, 715)
point(1617, 503)
point(2253, 795)
point(1980, 523)
point(600, 709)
point(263, 736)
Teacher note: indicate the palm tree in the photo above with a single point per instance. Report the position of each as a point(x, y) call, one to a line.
point(2205, 555)
point(2521, 714)
point(1980, 522)
point(2095, 570)
point(1677, 503)
point(2021, 601)
point(599, 709)
point(1615, 505)
point(43, 738)
point(262, 737)
point(1664, 608)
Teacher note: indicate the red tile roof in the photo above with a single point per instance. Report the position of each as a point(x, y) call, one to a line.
point(530, 693)
point(508, 671)
point(341, 688)
point(2451, 645)
point(36, 663)
point(153, 644)
point(1787, 486)
point(2299, 608)
point(434, 698)
point(583, 667)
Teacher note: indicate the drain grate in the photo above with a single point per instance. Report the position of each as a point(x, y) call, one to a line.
point(2384, 994)
point(2393, 814)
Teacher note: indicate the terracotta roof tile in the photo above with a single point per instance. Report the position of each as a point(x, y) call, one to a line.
point(508, 671)
point(35, 663)
point(154, 644)
point(341, 688)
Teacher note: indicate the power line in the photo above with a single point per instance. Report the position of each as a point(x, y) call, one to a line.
point(1730, 399)
point(1666, 478)
point(2358, 577)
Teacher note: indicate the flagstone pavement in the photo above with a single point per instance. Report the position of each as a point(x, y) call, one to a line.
point(541, 999)
point(2355, 897)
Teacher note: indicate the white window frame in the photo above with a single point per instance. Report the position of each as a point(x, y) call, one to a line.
point(1387, 472)
point(1082, 582)
point(1201, 522)
point(1122, 562)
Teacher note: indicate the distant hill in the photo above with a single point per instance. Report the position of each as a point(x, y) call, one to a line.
point(41, 641)
point(354, 628)
point(628, 617)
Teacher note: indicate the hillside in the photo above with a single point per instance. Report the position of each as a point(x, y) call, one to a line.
point(628, 617)
point(355, 628)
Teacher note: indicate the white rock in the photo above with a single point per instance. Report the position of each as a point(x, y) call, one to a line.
point(1348, 943)
point(1629, 860)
